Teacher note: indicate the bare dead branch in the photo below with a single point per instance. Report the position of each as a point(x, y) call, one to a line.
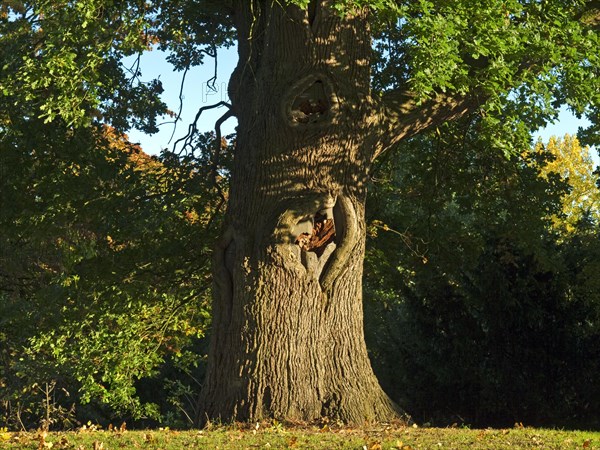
point(182, 84)
point(193, 127)
point(210, 83)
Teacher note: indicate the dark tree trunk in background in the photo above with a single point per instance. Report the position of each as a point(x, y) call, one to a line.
point(288, 336)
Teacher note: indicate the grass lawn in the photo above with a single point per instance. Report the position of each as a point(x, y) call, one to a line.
point(277, 436)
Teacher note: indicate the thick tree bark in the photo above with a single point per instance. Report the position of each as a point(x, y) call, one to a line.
point(287, 336)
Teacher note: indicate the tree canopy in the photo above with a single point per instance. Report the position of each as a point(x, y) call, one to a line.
point(518, 61)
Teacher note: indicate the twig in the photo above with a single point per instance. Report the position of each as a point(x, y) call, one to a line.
point(193, 127)
point(186, 70)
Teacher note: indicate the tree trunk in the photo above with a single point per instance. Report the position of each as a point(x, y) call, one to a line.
point(288, 336)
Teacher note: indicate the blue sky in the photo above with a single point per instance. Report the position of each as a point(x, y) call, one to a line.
point(197, 93)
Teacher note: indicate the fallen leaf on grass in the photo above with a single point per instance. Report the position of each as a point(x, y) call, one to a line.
point(42, 441)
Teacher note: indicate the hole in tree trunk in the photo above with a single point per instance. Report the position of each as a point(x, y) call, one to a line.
point(316, 235)
point(311, 101)
point(267, 399)
point(322, 234)
point(311, 105)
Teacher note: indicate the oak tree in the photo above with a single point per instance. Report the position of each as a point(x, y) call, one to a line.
point(321, 89)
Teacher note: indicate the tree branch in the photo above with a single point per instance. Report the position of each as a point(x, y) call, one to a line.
point(403, 117)
point(193, 127)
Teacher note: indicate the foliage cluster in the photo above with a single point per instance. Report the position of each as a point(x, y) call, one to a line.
point(104, 273)
point(104, 251)
point(482, 304)
point(572, 162)
point(63, 59)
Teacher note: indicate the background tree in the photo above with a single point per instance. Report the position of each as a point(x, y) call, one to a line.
point(477, 309)
point(104, 273)
point(574, 164)
point(104, 276)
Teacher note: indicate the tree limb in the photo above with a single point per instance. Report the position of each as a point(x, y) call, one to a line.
point(402, 116)
point(193, 127)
